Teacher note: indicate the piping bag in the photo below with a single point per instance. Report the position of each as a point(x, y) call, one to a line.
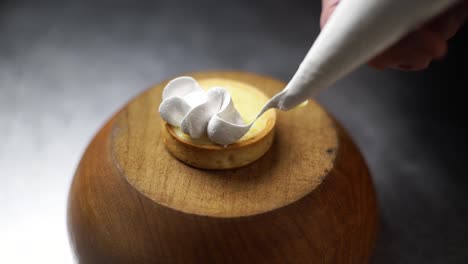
point(357, 31)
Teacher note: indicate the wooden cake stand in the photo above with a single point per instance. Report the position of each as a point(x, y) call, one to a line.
point(310, 199)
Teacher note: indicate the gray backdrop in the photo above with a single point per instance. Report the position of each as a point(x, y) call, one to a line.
point(66, 66)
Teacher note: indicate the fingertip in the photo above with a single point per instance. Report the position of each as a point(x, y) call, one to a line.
point(441, 50)
point(432, 43)
point(328, 6)
point(387, 58)
point(323, 19)
point(412, 53)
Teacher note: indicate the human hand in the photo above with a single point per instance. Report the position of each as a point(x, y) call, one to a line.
point(417, 49)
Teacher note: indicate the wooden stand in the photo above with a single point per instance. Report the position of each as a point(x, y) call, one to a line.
point(310, 199)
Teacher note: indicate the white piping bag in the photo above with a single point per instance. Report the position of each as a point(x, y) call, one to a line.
point(357, 31)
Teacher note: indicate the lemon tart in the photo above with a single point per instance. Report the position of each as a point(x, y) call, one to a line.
point(205, 154)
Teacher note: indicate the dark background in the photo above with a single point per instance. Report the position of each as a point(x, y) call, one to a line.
point(66, 66)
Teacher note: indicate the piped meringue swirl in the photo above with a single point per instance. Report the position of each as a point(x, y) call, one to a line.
point(201, 113)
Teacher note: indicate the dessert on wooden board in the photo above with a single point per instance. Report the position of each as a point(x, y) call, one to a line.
point(203, 153)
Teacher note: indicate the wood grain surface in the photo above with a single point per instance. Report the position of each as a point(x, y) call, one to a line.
point(131, 202)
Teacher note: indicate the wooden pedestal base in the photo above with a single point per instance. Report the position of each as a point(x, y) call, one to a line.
point(310, 199)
